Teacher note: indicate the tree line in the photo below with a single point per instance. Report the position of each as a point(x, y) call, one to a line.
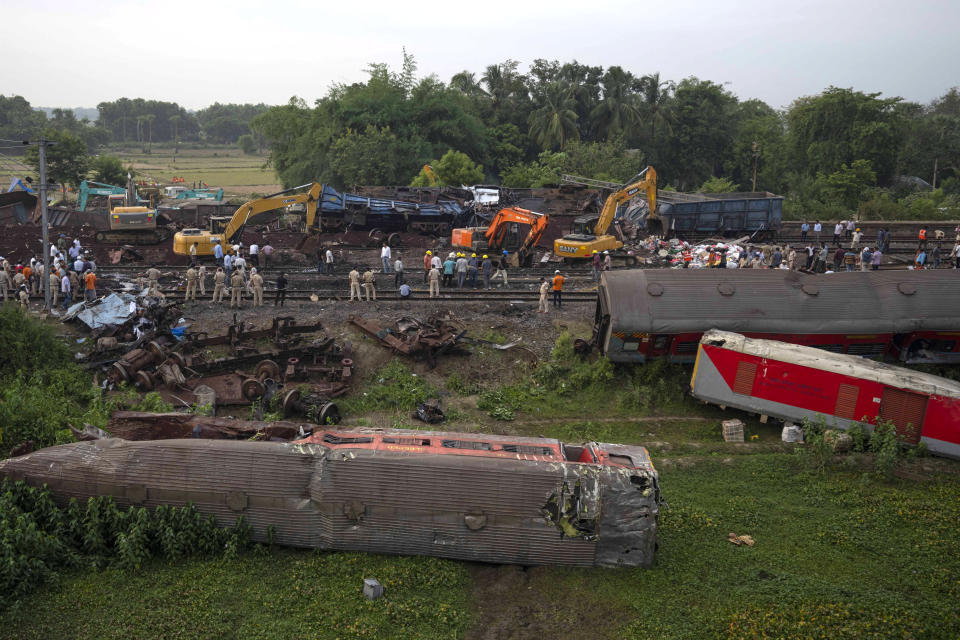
point(839, 151)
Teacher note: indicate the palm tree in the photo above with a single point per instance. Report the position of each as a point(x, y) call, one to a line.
point(553, 124)
point(503, 84)
point(149, 118)
point(655, 95)
point(175, 121)
point(618, 110)
point(466, 83)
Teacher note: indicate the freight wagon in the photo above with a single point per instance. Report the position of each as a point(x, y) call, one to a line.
point(470, 496)
point(792, 382)
point(908, 316)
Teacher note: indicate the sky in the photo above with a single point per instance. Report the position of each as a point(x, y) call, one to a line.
point(64, 53)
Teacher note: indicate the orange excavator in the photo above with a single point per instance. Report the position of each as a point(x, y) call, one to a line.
point(513, 229)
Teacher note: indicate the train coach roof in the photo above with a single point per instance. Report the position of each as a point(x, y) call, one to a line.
point(855, 366)
point(781, 301)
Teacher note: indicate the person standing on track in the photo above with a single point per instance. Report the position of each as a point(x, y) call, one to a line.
point(281, 290)
point(191, 285)
point(544, 287)
point(434, 282)
point(201, 279)
point(219, 285)
point(596, 266)
point(487, 267)
point(817, 228)
point(256, 283)
point(385, 257)
point(427, 263)
point(557, 289)
point(502, 268)
point(354, 278)
point(255, 255)
point(398, 271)
point(236, 289)
point(266, 251)
point(65, 288)
point(448, 266)
point(193, 254)
point(461, 270)
point(328, 257)
point(369, 290)
point(218, 253)
point(472, 268)
point(804, 230)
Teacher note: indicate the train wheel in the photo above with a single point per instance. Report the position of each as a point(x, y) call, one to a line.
point(252, 389)
point(268, 369)
point(393, 239)
point(100, 237)
point(329, 414)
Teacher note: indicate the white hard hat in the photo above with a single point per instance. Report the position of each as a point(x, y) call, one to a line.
point(557, 271)
point(606, 252)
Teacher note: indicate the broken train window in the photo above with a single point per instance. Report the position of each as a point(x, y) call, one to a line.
point(574, 510)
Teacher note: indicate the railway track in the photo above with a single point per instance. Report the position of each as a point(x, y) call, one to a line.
point(417, 295)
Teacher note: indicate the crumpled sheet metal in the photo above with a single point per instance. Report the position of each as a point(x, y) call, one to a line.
point(113, 309)
point(401, 502)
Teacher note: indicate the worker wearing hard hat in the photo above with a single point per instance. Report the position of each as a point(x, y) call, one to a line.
point(596, 265)
point(855, 239)
point(557, 289)
point(462, 269)
point(487, 268)
point(427, 258)
point(472, 268)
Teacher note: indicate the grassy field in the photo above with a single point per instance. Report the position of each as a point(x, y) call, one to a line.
point(218, 166)
point(835, 557)
point(840, 551)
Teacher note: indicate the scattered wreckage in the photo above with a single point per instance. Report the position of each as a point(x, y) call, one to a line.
point(500, 499)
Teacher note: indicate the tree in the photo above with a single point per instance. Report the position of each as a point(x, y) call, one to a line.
point(556, 121)
point(175, 122)
point(544, 171)
point(18, 120)
point(848, 184)
point(655, 95)
point(67, 159)
point(108, 169)
point(702, 137)
point(618, 110)
point(840, 126)
point(718, 185)
point(456, 168)
point(246, 144)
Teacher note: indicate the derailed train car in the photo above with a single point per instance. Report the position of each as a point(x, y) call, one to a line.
point(791, 382)
point(909, 316)
point(498, 499)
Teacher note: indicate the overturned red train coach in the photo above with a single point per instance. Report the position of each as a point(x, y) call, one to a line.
point(793, 382)
point(475, 497)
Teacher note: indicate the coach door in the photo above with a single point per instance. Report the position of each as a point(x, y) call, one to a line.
point(904, 408)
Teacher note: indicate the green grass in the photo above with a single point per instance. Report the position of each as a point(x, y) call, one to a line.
point(219, 166)
point(281, 594)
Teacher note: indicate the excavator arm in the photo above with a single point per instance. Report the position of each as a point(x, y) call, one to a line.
point(647, 183)
point(255, 207)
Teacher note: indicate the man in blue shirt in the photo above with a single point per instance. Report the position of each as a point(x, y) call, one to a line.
point(804, 229)
point(218, 254)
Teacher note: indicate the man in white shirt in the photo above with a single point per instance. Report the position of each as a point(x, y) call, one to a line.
point(328, 260)
point(837, 230)
point(65, 290)
point(817, 228)
point(255, 254)
point(385, 257)
point(78, 265)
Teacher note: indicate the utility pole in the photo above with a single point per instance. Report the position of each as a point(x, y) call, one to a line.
point(756, 157)
point(42, 148)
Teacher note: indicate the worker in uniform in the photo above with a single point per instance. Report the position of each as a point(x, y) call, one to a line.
point(219, 284)
point(557, 289)
point(74, 284)
point(544, 288)
point(4, 282)
point(256, 283)
point(354, 277)
point(368, 289)
point(236, 289)
point(201, 278)
point(427, 259)
point(487, 268)
point(922, 237)
point(18, 280)
point(434, 282)
point(607, 261)
point(855, 239)
point(153, 275)
point(191, 284)
point(24, 297)
point(54, 280)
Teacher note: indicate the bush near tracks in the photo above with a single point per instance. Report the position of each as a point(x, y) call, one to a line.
point(37, 538)
point(42, 390)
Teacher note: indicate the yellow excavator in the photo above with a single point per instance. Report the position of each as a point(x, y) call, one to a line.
point(226, 231)
point(590, 232)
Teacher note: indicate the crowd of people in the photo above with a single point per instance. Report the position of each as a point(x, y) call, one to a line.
point(72, 275)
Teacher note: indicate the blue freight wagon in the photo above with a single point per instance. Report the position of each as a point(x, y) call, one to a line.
point(695, 215)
